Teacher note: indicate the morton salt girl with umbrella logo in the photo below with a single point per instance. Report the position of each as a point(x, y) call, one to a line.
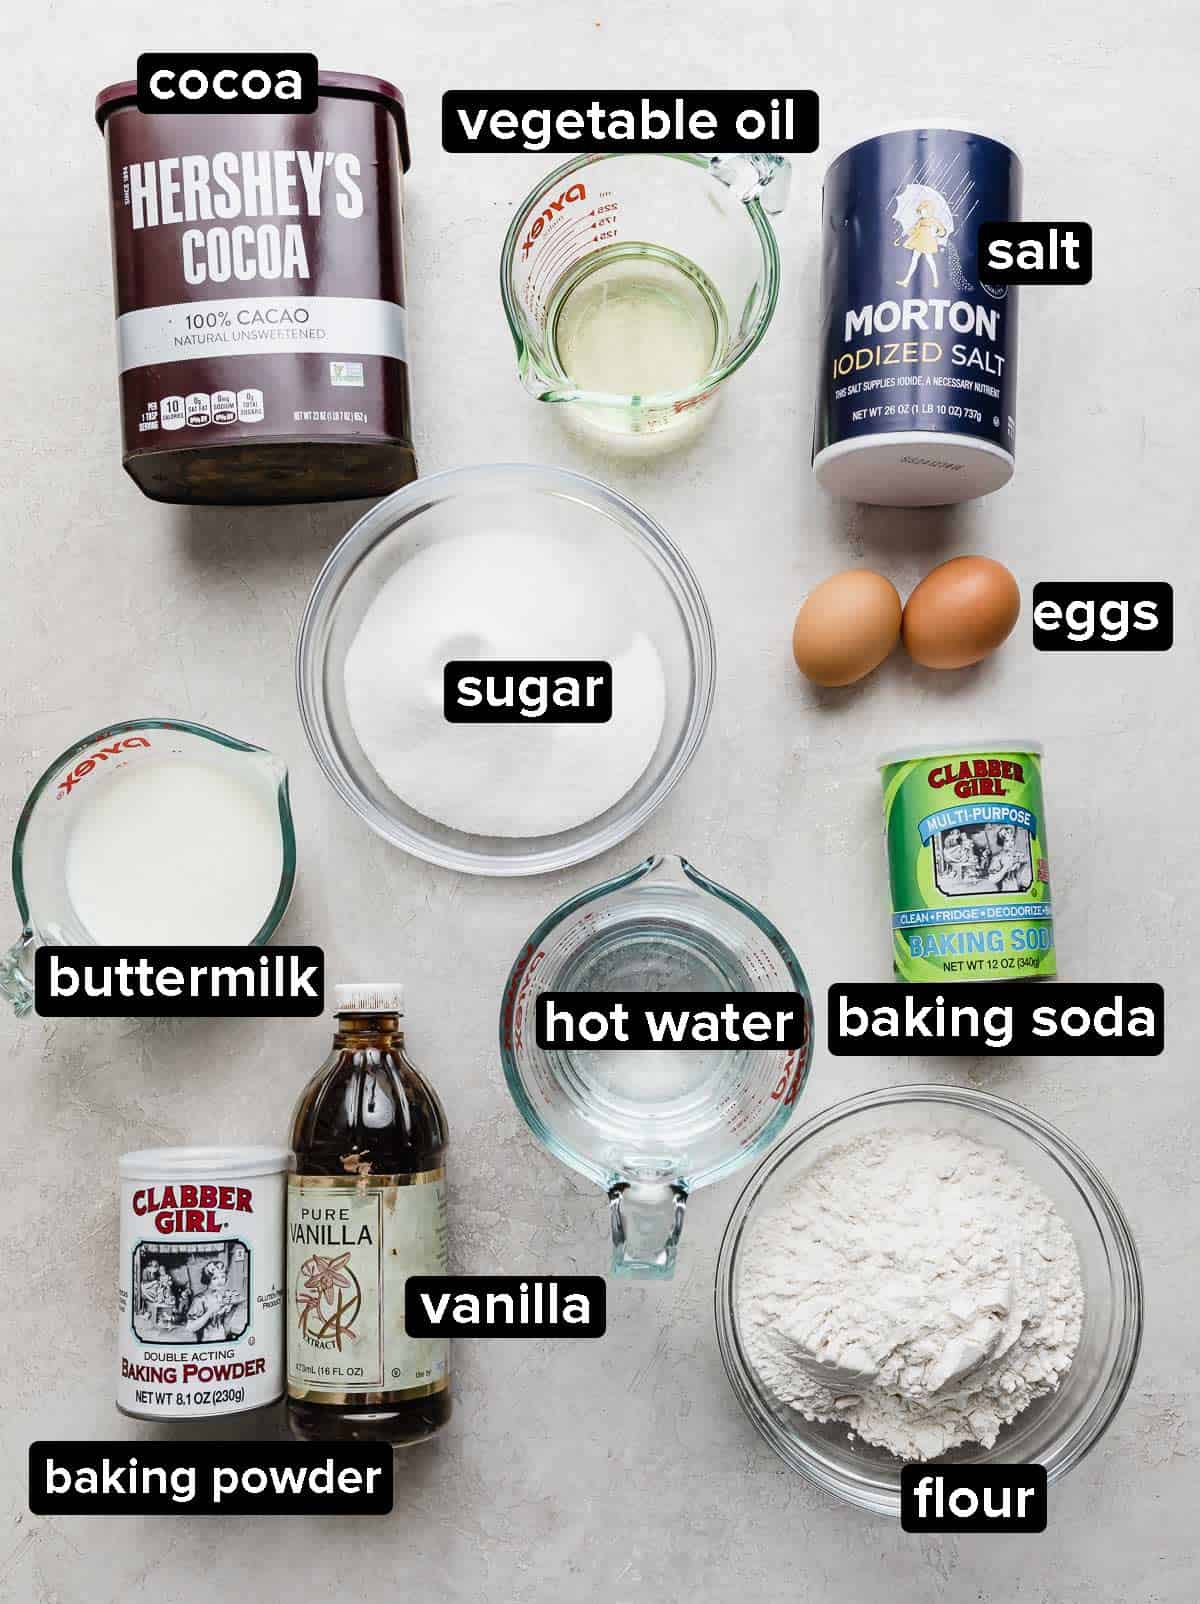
point(916, 393)
point(366, 1208)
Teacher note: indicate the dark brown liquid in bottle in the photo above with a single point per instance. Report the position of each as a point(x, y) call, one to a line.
point(368, 1111)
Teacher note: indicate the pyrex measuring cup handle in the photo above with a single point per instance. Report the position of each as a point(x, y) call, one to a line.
point(755, 175)
point(15, 982)
point(646, 1224)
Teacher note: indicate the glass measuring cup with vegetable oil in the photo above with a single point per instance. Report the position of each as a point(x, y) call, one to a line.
point(651, 1125)
point(634, 285)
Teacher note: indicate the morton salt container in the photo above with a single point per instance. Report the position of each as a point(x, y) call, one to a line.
point(916, 392)
point(200, 1289)
point(968, 864)
point(261, 325)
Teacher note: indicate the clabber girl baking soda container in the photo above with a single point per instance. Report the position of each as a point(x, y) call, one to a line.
point(968, 862)
point(916, 392)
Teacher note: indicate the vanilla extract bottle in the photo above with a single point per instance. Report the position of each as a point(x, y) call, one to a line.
point(366, 1209)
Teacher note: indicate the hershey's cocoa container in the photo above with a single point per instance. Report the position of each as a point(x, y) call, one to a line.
point(200, 1287)
point(259, 271)
point(916, 394)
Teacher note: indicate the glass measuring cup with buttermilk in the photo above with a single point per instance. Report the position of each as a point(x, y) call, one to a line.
point(651, 1125)
point(152, 832)
point(634, 285)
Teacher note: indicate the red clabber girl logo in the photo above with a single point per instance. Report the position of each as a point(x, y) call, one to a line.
point(328, 1300)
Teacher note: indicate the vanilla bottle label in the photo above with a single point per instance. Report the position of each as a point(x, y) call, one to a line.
point(352, 1244)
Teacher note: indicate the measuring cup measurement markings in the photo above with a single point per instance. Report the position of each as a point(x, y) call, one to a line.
point(651, 1124)
point(62, 859)
point(634, 285)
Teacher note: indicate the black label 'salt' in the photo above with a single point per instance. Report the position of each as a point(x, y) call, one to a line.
point(194, 81)
point(965, 1018)
point(1035, 253)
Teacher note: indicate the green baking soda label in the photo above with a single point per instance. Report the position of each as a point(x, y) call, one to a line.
point(969, 866)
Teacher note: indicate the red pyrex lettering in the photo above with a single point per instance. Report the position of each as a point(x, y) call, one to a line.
point(577, 192)
point(100, 755)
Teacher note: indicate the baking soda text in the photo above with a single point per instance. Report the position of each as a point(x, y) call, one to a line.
point(1081, 1019)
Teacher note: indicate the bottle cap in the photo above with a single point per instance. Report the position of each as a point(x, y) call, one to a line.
point(365, 997)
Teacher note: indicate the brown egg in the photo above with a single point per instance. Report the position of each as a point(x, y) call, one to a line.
point(960, 612)
point(846, 627)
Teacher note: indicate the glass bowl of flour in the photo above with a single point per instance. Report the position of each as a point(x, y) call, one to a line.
point(927, 1273)
point(499, 569)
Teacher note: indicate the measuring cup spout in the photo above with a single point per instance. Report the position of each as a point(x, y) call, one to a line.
point(15, 982)
point(647, 1220)
point(755, 175)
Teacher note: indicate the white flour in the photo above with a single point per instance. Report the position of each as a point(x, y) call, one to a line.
point(505, 595)
point(930, 1275)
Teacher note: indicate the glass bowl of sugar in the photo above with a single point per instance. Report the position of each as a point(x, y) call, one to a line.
point(505, 669)
point(927, 1274)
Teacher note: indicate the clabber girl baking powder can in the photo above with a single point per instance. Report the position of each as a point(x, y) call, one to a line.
point(200, 1285)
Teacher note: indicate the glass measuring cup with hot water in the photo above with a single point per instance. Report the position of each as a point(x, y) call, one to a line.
point(634, 285)
point(150, 832)
point(651, 1125)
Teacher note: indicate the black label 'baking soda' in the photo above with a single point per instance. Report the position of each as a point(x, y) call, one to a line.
point(916, 394)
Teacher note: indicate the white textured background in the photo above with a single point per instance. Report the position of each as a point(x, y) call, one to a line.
point(621, 1469)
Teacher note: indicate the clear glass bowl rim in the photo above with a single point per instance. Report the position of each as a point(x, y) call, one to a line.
point(396, 511)
point(1082, 1172)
